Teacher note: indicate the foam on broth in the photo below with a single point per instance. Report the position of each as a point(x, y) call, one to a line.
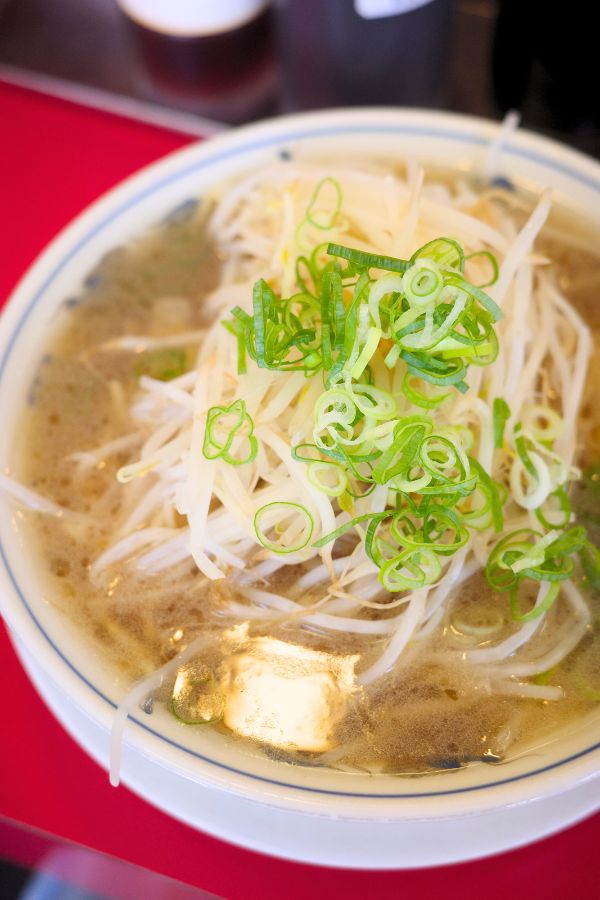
point(432, 712)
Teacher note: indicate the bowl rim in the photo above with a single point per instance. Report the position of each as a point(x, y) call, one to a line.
point(55, 258)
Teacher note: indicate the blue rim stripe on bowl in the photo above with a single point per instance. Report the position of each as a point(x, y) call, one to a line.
point(262, 143)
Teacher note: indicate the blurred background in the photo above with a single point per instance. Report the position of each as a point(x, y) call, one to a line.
point(235, 61)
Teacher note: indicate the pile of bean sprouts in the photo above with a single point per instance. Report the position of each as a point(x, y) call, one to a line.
point(542, 363)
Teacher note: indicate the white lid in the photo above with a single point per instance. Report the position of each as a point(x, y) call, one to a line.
point(188, 18)
point(379, 9)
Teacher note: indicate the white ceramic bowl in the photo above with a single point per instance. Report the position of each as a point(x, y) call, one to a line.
point(199, 777)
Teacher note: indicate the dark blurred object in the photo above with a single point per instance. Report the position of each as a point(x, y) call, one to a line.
point(13, 879)
point(38, 866)
point(439, 55)
point(225, 71)
point(81, 40)
point(545, 63)
point(89, 43)
point(330, 55)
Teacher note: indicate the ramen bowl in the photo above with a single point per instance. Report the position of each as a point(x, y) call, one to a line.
point(313, 814)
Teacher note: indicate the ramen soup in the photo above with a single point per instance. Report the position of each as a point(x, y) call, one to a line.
point(314, 461)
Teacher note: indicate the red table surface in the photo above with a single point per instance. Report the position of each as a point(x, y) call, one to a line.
point(56, 157)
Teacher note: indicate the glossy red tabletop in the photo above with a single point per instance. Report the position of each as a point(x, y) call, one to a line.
point(56, 157)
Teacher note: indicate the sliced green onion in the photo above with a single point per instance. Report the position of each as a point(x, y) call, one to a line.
point(419, 398)
point(446, 252)
point(185, 717)
point(237, 329)
point(501, 415)
point(537, 611)
point(422, 283)
point(433, 370)
point(498, 569)
point(407, 438)
point(564, 509)
point(325, 204)
point(363, 260)
point(203, 703)
point(491, 490)
point(388, 286)
point(440, 455)
point(262, 299)
point(535, 414)
point(544, 677)
point(347, 345)
point(570, 541)
point(333, 316)
point(304, 274)
point(521, 447)
point(590, 562)
point(318, 469)
point(334, 535)
point(223, 425)
point(371, 345)
point(486, 301)
point(297, 455)
point(163, 364)
point(273, 516)
point(392, 356)
point(493, 263)
point(410, 570)
point(374, 402)
point(441, 531)
point(536, 555)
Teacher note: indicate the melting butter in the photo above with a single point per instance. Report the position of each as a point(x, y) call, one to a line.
point(287, 695)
